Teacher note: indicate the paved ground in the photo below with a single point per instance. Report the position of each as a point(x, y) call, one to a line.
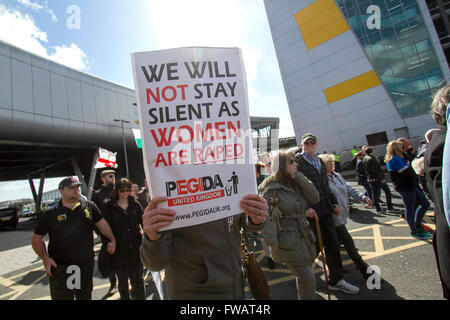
point(407, 265)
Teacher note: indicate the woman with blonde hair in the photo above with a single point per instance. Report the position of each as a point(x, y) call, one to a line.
point(287, 231)
point(405, 183)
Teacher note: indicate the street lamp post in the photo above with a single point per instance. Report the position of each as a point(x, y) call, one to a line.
point(124, 143)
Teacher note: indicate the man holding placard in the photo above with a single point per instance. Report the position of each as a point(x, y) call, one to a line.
point(196, 136)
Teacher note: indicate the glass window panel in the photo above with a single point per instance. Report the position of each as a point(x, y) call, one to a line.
point(362, 5)
point(405, 86)
point(422, 46)
point(349, 3)
point(388, 33)
point(375, 37)
point(401, 51)
point(420, 84)
point(394, 55)
point(407, 51)
point(434, 79)
point(401, 28)
point(392, 3)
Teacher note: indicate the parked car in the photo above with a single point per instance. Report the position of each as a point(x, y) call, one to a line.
point(26, 213)
point(9, 217)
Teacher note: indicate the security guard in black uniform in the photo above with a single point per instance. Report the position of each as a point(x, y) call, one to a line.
point(108, 178)
point(69, 261)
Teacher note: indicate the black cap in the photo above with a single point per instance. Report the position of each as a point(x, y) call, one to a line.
point(68, 182)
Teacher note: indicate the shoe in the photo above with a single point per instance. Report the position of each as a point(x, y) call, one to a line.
point(365, 274)
point(270, 263)
point(345, 287)
point(422, 230)
point(381, 211)
point(421, 235)
point(394, 211)
point(112, 289)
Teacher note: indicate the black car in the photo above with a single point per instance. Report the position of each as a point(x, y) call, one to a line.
point(9, 217)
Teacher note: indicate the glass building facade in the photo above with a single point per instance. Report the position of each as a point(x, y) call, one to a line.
point(400, 51)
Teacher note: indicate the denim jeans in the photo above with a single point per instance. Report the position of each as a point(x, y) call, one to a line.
point(368, 188)
point(414, 214)
point(376, 194)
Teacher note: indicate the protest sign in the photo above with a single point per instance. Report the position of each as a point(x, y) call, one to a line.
point(195, 131)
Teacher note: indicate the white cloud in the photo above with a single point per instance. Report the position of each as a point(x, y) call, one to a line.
point(32, 5)
point(21, 31)
point(71, 56)
point(53, 15)
point(37, 7)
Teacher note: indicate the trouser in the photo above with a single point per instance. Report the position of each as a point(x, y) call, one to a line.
point(441, 246)
point(70, 281)
point(112, 279)
point(331, 246)
point(368, 188)
point(346, 239)
point(136, 276)
point(306, 282)
point(416, 205)
point(376, 194)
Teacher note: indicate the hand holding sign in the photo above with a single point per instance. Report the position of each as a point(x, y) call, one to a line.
point(255, 206)
point(155, 218)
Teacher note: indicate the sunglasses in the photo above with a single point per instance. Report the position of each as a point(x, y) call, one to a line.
point(125, 190)
point(309, 143)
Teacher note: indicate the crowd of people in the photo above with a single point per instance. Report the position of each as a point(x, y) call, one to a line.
point(302, 198)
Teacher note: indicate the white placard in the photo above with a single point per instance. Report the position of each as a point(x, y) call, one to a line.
point(195, 130)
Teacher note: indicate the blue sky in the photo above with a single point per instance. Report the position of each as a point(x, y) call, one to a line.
point(110, 30)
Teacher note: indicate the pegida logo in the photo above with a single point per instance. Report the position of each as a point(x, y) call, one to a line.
point(200, 189)
point(193, 185)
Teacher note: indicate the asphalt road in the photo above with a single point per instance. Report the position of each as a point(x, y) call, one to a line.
point(407, 265)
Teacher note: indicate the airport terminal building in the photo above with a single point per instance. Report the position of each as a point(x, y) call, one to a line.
point(358, 72)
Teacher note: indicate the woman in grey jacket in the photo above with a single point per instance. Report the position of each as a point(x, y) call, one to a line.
point(343, 191)
point(289, 194)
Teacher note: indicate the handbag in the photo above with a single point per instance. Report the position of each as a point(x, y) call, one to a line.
point(253, 272)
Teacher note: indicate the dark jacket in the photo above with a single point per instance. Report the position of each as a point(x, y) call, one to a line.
point(126, 226)
point(403, 181)
point(374, 172)
point(100, 196)
point(361, 175)
point(441, 241)
point(320, 181)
